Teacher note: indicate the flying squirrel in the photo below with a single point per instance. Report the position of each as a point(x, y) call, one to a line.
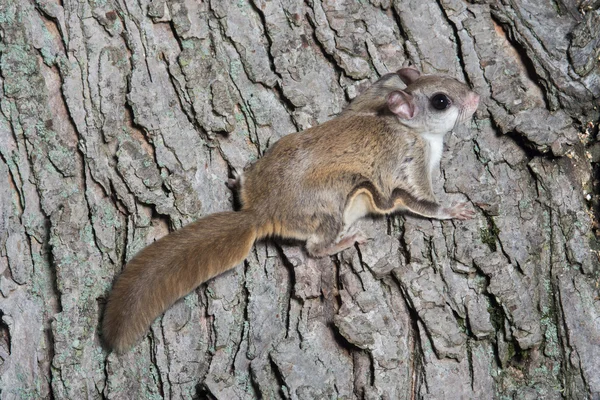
point(375, 158)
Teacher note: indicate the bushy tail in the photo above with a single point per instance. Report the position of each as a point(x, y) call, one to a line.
point(170, 268)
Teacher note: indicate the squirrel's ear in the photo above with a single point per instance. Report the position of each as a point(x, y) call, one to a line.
point(402, 104)
point(408, 75)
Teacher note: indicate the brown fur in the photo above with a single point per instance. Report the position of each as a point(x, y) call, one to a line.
point(310, 186)
point(170, 268)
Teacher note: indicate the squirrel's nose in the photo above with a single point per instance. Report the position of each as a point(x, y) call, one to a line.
point(473, 99)
point(472, 102)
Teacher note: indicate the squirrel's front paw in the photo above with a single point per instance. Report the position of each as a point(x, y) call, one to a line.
point(460, 211)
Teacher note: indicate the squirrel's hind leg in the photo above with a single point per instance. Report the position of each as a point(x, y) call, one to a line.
point(330, 240)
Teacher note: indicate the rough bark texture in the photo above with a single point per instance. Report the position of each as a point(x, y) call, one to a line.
point(121, 120)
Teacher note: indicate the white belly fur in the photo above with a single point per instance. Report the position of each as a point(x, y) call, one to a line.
point(360, 207)
point(436, 146)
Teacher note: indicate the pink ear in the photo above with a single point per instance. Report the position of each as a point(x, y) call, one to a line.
point(408, 75)
point(401, 104)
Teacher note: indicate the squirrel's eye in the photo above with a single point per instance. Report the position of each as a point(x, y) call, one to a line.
point(440, 101)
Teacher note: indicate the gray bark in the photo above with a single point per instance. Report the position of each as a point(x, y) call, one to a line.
point(120, 120)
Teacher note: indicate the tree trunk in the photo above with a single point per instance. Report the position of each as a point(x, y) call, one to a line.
point(121, 120)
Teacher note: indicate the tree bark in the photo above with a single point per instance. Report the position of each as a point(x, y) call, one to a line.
point(121, 120)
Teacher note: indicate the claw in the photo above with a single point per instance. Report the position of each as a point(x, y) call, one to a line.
point(461, 212)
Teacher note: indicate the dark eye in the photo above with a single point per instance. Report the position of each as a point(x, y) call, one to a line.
point(440, 101)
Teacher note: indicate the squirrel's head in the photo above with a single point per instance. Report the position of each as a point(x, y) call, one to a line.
point(426, 103)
